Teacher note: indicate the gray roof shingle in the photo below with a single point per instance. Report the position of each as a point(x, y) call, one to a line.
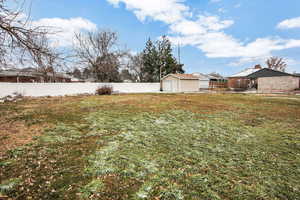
point(266, 72)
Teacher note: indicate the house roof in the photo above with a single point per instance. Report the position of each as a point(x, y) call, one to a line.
point(244, 73)
point(208, 76)
point(11, 73)
point(28, 72)
point(266, 72)
point(297, 74)
point(183, 76)
point(214, 77)
point(201, 76)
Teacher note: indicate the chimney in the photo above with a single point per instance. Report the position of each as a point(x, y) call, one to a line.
point(257, 67)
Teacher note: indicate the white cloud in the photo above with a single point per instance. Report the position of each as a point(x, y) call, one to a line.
point(65, 29)
point(222, 10)
point(289, 23)
point(248, 61)
point(237, 5)
point(202, 25)
point(206, 32)
point(215, 1)
point(168, 11)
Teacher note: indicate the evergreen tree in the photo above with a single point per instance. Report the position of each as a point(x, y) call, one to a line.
point(150, 59)
point(168, 62)
point(158, 56)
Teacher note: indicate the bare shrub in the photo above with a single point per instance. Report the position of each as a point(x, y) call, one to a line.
point(104, 90)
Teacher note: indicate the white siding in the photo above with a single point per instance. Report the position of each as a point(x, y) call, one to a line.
point(203, 84)
point(171, 84)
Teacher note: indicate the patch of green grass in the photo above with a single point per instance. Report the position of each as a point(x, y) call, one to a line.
point(8, 185)
point(201, 159)
point(60, 134)
point(91, 189)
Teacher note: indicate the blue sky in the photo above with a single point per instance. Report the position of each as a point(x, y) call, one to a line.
point(215, 35)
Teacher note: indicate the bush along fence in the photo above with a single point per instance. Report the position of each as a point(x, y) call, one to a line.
point(61, 89)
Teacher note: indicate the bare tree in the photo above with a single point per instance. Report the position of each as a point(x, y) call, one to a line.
point(49, 61)
point(136, 67)
point(17, 38)
point(276, 63)
point(100, 52)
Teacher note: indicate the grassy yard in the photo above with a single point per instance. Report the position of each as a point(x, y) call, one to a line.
point(151, 146)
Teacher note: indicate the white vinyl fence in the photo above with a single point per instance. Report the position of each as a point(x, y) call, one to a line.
point(61, 89)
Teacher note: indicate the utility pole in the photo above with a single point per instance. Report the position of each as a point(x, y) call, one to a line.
point(162, 64)
point(160, 78)
point(160, 71)
point(179, 58)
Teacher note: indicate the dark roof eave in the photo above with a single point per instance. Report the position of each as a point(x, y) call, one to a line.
point(265, 72)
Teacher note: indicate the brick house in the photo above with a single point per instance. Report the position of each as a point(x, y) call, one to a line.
point(270, 81)
point(31, 75)
point(240, 80)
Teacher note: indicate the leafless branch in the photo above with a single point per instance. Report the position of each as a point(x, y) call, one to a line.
point(17, 37)
point(276, 63)
point(100, 51)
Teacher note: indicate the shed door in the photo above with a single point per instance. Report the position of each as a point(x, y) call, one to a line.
point(174, 86)
point(167, 86)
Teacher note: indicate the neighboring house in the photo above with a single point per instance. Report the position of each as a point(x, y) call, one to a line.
point(31, 75)
point(73, 79)
point(297, 74)
point(127, 81)
point(217, 81)
point(240, 80)
point(20, 75)
point(269, 81)
point(180, 83)
point(61, 77)
point(204, 80)
point(208, 81)
point(76, 80)
point(90, 80)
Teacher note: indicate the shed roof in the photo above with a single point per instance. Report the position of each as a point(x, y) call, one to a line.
point(183, 76)
point(266, 72)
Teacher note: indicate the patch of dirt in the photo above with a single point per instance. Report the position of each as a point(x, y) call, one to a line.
point(17, 134)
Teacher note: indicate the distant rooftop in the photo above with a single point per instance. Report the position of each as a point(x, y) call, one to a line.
point(209, 76)
point(245, 73)
point(297, 74)
point(266, 72)
point(29, 72)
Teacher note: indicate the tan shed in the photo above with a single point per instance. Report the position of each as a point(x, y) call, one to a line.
point(180, 83)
